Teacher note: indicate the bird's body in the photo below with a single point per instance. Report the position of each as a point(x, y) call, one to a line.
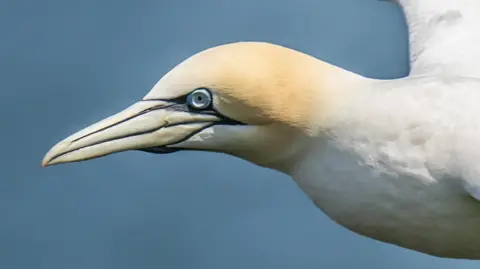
point(394, 160)
point(393, 169)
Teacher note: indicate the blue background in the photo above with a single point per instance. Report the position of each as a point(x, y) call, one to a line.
point(65, 64)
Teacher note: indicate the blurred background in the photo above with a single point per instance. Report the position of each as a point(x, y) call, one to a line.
point(65, 64)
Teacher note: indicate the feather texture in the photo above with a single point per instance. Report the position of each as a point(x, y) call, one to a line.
point(444, 36)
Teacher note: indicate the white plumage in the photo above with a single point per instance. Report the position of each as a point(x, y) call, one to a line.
point(444, 36)
point(402, 164)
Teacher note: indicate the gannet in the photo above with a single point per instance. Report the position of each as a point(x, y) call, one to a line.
point(394, 160)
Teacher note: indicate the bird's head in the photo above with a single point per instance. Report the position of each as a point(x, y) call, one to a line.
point(257, 101)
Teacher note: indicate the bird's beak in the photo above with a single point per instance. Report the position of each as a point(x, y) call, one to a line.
point(149, 125)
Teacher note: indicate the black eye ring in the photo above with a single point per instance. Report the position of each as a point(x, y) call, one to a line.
point(200, 98)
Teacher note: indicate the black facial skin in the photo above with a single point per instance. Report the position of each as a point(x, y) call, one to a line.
point(181, 104)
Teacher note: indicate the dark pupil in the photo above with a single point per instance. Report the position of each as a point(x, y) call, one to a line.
point(199, 98)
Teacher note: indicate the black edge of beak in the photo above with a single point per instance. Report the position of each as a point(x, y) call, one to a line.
point(179, 104)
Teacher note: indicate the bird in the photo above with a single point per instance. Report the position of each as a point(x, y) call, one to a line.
point(394, 160)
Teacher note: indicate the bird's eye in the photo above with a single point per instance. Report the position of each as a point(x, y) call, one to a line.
point(199, 99)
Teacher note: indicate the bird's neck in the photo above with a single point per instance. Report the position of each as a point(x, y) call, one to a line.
point(338, 92)
point(320, 99)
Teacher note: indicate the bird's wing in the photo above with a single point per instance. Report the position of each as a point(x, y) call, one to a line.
point(444, 36)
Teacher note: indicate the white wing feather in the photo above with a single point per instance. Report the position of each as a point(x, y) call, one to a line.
point(444, 36)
